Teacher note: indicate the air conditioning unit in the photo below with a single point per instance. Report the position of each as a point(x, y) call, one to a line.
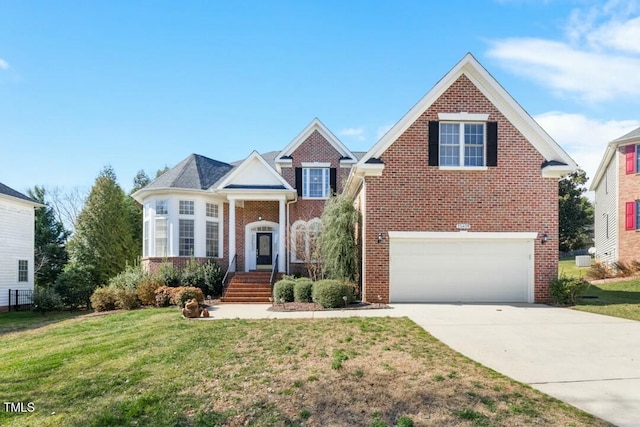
point(583, 261)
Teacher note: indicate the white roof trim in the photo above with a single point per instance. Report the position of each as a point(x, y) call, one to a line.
point(315, 124)
point(496, 94)
point(460, 235)
point(464, 117)
point(21, 201)
point(610, 151)
point(245, 164)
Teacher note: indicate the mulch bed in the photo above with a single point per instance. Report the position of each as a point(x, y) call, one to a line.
point(311, 306)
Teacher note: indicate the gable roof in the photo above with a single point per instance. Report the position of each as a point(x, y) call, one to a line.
point(196, 172)
point(315, 125)
point(7, 191)
point(632, 137)
point(254, 172)
point(497, 95)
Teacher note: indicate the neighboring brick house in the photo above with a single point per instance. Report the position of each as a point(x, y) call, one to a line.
point(617, 200)
point(460, 198)
point(17, 234)
point(244, 215)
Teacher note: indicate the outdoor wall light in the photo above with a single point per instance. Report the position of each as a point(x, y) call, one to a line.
point(260, 218)
point(379, 237)
point(544, 238)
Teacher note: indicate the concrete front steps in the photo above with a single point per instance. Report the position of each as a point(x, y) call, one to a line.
point(249, 287)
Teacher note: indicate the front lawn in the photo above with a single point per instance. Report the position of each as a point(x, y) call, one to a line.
point(619, 299)
point(568, 267)
point(16, 321)
point(151, 367)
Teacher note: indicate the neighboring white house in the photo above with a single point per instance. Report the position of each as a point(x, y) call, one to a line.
point(17, 231)
point(617, 203)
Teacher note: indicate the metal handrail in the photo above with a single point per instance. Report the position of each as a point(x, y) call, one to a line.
point(274, 272)
point(226, 275)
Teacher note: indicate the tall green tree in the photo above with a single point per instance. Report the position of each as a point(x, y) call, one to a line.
point(575, 212)
point(50, 254)
point(140, 181)
point(104, 236)
point(340, 247)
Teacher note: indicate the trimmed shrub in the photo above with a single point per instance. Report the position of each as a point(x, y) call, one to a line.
point(184, 293)
point(46, 299)
point(104, 299)
point(127, 279)
point(283, 290)
point(147, 288)
point(192, 275)
point(170, 275)
point(303, 290)
point(164, 296)
point(213, 276)
point(566, 290)
point(333, 293)
point(126, 299)
point(600, 270)
point(74, 285)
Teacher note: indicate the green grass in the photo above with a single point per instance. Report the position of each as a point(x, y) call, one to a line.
point(151, 367)
point(568, 267)
point(16, 321)
point(619, 299)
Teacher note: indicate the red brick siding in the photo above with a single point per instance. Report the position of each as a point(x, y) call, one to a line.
point(315, 148)
point(411, 196)
point(629, 191)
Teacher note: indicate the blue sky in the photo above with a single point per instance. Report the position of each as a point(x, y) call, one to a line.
point(142, 84)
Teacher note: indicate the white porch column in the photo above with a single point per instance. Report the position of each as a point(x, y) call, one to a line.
point(232, 233)
point(281, 236)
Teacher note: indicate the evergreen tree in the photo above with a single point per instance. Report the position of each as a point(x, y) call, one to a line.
point(575, 212)
point(104, 238)
point(140, 181)
point(340, 247)
point(50, 238)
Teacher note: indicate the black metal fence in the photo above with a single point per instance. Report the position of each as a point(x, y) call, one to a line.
point(20, 299)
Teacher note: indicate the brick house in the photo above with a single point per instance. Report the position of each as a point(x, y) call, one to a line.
point(617, 200)
point(248, 214)
point(458, 200)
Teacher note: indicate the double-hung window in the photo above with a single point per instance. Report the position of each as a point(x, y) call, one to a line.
point(23, 270)
point(161, 231)
point(186, 228)
point(463, 141)
point(212, 232)
point(462, 144)
point(315, 183)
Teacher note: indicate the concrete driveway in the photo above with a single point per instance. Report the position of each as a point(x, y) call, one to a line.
point(587, 360)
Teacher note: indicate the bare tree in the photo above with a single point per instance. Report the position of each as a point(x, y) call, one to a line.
point(305, 243)
point(67, 204)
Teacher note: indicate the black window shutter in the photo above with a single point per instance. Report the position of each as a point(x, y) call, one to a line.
point(434, 142)
point(299, 181)
point(492, 143)
point(333, 180)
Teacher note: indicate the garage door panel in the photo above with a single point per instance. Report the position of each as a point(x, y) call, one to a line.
point(440, 270)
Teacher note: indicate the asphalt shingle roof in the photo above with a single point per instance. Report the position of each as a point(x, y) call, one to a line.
point(633, 134)
point(8, 191)
point(195, 172)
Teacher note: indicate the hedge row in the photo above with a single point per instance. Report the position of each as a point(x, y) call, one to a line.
point(327, 293)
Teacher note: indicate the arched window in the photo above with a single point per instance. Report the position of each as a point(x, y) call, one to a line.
point(305, 240)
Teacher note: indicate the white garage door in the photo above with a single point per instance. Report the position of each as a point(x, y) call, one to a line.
point(461, 267)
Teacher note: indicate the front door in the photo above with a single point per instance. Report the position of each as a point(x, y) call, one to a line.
point(263, 249)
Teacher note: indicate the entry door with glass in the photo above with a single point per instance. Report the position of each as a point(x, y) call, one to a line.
point(263, 249)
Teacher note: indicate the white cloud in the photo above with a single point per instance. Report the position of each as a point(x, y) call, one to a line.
point(4, 65)
point(585, 139)
point(357, 133)
point(598, 61)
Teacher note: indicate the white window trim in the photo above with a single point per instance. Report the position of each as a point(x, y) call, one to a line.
point(26, 262)
point(325, 185)
point(463, 117)
point(316, 165)
point(461, 145)
point(220, 222)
